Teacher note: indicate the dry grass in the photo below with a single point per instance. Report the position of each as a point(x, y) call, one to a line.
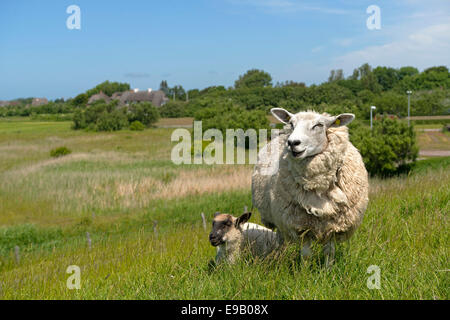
point(430, 117)
point(106, 173)
point(80, 183)
point(173, 122)
point(433, 140)
point(186, 183)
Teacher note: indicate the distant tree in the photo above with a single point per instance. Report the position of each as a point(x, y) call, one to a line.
point(164, 87)
point(391, 103)
point(80, 100)
point(386, 77)
point(336, 75)
point(368, 79)
point(194, 93)
point(439, 69)
point(407, 71)
point(331, 76)
point(108, 88)
point(254, 78)
point(290, 83)
point(364, 70)
point(213, 90)
point(178, 92)
point(355, 75)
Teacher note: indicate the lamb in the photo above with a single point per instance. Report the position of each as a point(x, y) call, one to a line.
point(232, 235)
point(320, 188)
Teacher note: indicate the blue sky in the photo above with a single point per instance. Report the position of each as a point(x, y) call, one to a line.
point(200, 43)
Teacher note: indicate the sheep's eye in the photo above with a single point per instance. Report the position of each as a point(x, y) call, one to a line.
point(292, 125)
point(319, 125)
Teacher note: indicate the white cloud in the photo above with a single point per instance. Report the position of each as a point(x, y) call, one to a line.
point(317, 49)
point(287, 6)
point(345, 42)
point(429, 46)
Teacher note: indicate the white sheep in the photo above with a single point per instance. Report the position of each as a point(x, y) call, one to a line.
point(320, 189)
point(232, 235)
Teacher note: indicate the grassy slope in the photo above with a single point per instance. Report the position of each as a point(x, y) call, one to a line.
point(405, 231)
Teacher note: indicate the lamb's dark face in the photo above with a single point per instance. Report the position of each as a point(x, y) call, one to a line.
point(223, 227)
point(308, 135)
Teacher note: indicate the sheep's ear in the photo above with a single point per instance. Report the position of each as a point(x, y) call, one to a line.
point(243, 219)
point(281, 114)
point(341, 120)
point(216, 214)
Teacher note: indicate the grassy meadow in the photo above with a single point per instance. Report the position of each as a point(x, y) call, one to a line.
point(142, 214)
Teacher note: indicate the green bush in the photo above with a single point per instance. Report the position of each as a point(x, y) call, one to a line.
point(137, 126)
point(228, 116)
point(59, 152)
point(388, 149)
point(174, 109)
point(111, 121)
point(109, 117)
point(143, 112)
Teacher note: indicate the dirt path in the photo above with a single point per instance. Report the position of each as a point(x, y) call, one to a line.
point(434, 153)
point(431, 130)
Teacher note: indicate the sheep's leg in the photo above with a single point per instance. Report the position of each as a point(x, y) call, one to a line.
point(232, 257)
point(329, 251)
point(306, 249)
point(220, 256)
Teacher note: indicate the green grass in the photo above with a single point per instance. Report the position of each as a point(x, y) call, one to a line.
point(419, 127)
point(117, 185)
point(432, 164)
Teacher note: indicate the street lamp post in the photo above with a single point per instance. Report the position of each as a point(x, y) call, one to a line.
point(371, 108)
point(409, 104)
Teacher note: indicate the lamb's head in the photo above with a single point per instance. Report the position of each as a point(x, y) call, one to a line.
point(226, 228)
point(308, 130)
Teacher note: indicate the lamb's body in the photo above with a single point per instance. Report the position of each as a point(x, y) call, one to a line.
point(322, 197)
point(259, 240)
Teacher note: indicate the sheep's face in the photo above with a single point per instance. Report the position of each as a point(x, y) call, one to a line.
point(308, 130)
point(225, 226)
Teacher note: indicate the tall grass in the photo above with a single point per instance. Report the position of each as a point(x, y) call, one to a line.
point(48, 205)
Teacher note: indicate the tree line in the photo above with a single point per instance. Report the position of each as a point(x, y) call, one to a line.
point(384, 87)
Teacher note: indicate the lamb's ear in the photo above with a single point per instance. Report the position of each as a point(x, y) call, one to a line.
point(243, 219)
point(341, 120)
point(216, 214)
point(281, 114)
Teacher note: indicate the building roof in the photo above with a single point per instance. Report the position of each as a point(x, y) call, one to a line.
point(157, 98)
point(116, 95)
point(39, 101)
point(99, 96)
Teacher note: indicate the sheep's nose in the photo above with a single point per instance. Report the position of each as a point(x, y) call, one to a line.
point(293, 143)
